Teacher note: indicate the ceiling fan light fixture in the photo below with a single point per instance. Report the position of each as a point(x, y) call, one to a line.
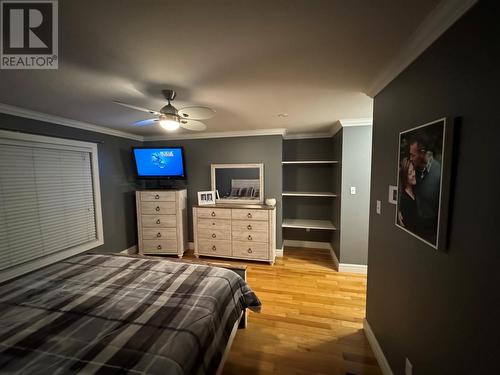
point(169, 122)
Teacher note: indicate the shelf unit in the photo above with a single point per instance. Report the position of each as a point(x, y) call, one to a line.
point(310, 162)
point(308, 224)
point(310, 196)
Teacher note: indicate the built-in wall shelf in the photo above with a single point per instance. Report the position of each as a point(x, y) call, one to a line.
point(310, 162)
point(308, 194)
point(308, 224)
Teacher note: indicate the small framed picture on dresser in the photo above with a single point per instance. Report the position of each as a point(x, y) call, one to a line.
point(206, 198)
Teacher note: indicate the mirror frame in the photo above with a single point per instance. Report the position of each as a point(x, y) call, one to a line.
point(213, 168)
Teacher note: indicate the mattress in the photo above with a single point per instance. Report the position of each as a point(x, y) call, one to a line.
point(110, 314)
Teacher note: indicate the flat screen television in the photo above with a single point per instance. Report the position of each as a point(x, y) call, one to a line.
point(160, 162)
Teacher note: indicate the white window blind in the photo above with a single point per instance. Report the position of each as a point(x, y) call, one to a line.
point(49, 201)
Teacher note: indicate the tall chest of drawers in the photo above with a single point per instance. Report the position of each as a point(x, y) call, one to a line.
point(162, 221)
point(233, 231)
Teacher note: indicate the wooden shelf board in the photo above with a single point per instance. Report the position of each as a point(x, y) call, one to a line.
point(308, 194)
point(310, 162)
point(308, 224)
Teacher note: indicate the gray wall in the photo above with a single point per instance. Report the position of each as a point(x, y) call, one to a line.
point(356, 166)
point(440, 308)
point(117, 176)
point(200, 153)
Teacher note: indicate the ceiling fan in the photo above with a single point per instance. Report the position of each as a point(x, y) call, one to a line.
point(170, 118)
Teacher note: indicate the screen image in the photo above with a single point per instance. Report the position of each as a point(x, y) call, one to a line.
point(159, 162)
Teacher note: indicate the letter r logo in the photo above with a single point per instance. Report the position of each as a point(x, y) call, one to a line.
point(27, 28)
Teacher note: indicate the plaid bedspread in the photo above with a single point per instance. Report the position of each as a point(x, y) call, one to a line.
point(111, 314)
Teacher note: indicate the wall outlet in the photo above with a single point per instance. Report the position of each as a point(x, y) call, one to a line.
point(408, 367)
point(379, 207)
point(353, 190)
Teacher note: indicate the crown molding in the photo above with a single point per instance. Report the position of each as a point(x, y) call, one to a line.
point(34, 115)
point(229, 134)
point(356, 122)
point(306, 135)
point(446, 13)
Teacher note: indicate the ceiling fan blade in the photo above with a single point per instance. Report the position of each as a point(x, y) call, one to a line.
point(137, 108)
point(149, 121)
point(196, 113)
point(192, 125)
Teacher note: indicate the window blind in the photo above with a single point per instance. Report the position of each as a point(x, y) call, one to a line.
point(47, 199)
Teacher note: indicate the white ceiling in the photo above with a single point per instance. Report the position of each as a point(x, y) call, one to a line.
point(249, 60)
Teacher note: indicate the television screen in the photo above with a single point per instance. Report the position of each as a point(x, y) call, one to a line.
point(160, 162)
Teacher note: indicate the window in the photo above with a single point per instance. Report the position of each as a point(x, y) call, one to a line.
point(49, 201)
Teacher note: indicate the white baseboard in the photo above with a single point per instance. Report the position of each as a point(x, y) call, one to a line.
point(377, 350)
point(354, 268)
point(308, 244)
point(130, 250)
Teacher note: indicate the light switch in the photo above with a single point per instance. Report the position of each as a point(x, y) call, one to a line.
point(353, 190)
point(379, 207)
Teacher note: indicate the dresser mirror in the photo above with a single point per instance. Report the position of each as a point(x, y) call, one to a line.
point(238, 183)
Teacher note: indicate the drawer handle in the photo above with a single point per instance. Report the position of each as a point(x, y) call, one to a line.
point(157, 208)
point(157, 196)
point(158, 234)
point(158, 247)
point(249, 251)
point(249, 215)
point(158, 221)
point(213, 214)
point(249, 238)
point(214, 248)
point(213, 223)
point(214, 235)
point(249, 227)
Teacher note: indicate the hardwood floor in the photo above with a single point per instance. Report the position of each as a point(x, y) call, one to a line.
point(311, 320)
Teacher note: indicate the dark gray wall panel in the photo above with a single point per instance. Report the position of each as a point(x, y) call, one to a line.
point(200, 153)
point(440, 309)
point(336, 144)
point(117, 176)
point(307, 149)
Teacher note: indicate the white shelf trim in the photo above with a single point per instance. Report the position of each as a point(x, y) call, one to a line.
point(308, 224)
point(309, 194)
point(310, 162)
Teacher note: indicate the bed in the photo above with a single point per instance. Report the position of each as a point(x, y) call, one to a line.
point(112, 314)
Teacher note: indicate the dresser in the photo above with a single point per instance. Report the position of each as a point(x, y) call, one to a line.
point(235, 231)
point(162, 221)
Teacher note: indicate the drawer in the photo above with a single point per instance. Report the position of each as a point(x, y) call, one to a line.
point(241, 214)
point(214, 234)
point(154, 196)
point(213, 247)
point(250, 250)
point(158, 208)
point(159, 234)
point(219, 213)
point(219, 224)
point(159, 221)
point(250, 226)
point(249, 236)
point(159, 246)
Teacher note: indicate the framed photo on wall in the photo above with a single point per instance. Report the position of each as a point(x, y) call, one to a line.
point(424, 164)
